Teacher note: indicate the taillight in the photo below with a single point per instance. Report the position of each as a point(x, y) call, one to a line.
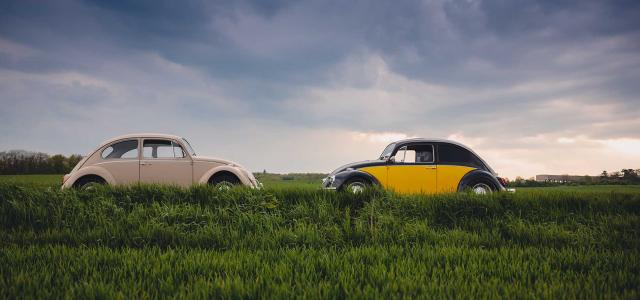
point(503, 181)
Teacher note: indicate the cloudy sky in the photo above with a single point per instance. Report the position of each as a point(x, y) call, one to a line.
point(533, 86)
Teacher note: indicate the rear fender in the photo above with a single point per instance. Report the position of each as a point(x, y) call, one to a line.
point(476, 175)
point(91, 170)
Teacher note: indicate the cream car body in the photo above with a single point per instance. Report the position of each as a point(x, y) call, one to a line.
point(154, 158)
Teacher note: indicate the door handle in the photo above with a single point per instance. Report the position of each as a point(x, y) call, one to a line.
point(145, 164)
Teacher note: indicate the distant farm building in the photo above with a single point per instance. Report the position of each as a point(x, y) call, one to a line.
point(565, 178)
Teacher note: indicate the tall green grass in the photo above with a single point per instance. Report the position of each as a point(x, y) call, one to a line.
point(359, 272)
point(153, 241)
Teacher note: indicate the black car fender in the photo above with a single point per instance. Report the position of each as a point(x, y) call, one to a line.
point(477, 175)
point(347, 175)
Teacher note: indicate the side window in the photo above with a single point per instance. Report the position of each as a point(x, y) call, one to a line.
point(162, 149)
point(410, 156)
point(423, 153)
point(415, 154)
point(121, 150)
point(456, 155)
point(400, 155)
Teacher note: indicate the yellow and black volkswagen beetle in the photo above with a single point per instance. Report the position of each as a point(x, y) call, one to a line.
point(419, 166)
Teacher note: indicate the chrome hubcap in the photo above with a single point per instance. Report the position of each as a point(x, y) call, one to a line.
point(224, 186)
point(356, 187)
point(91, 186)
point(481, 189)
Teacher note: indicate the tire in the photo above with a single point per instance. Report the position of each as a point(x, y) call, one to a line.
point(355, 185)
point(224, 181)
point(481, 187)
point(88, 183)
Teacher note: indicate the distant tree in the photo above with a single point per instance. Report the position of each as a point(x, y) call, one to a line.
point(72, 161)
point(629, 173)
point(57, 164)
point(588, 179)
point(519, 180)
point(24, 162)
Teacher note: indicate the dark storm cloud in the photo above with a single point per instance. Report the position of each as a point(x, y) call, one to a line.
point(494, 68)
point(431, 40)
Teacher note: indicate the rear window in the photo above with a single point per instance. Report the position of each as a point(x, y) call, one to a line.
point(121, 150)
point(456, 155)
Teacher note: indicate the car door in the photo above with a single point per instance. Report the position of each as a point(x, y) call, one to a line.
point(164, 161)
point(413, 170)
point(121, 160)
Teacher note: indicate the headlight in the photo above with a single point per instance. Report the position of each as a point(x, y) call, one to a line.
point(329, 180)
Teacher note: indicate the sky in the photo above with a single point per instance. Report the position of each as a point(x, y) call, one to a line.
point(534, 87)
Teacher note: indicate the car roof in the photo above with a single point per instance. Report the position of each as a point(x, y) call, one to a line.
point(141, 135)
point(428, 140)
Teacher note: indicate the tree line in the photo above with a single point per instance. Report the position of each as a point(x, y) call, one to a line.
point(24, 162)
point(624, 176)
point(15, 162)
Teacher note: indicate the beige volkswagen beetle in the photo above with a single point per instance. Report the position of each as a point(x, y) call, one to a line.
point(154, 158)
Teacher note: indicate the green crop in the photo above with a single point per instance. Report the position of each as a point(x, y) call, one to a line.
point(158, 241)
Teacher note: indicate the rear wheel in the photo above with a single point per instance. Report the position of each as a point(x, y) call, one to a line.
point(481, 188)
point(88, 183)
point(356, 185)
point(224, 181)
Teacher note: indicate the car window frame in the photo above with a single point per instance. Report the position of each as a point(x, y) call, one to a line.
point(117, 142)
point(173, 141)
point(399, 147)
point(183, 142)
point(482, 166)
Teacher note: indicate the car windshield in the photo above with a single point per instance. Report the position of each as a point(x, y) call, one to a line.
point(189, 148)
point(387, 151)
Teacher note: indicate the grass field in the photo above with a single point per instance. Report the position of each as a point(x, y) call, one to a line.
point(294, 240)
point(38, 181)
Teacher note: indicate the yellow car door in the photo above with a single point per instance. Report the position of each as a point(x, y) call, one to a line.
point(413, 170)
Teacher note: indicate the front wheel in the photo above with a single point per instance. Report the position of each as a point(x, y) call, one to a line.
point(356, 186)
point(224, 181)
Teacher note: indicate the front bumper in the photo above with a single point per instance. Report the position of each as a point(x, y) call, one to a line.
point(256, 184)
point(329, 183)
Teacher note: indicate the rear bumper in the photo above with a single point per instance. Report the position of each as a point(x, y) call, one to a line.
point(510, 190)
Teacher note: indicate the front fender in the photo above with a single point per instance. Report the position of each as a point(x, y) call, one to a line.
point(234, 170)
point(478, 174)
point(345, 176)
point(91, 170)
